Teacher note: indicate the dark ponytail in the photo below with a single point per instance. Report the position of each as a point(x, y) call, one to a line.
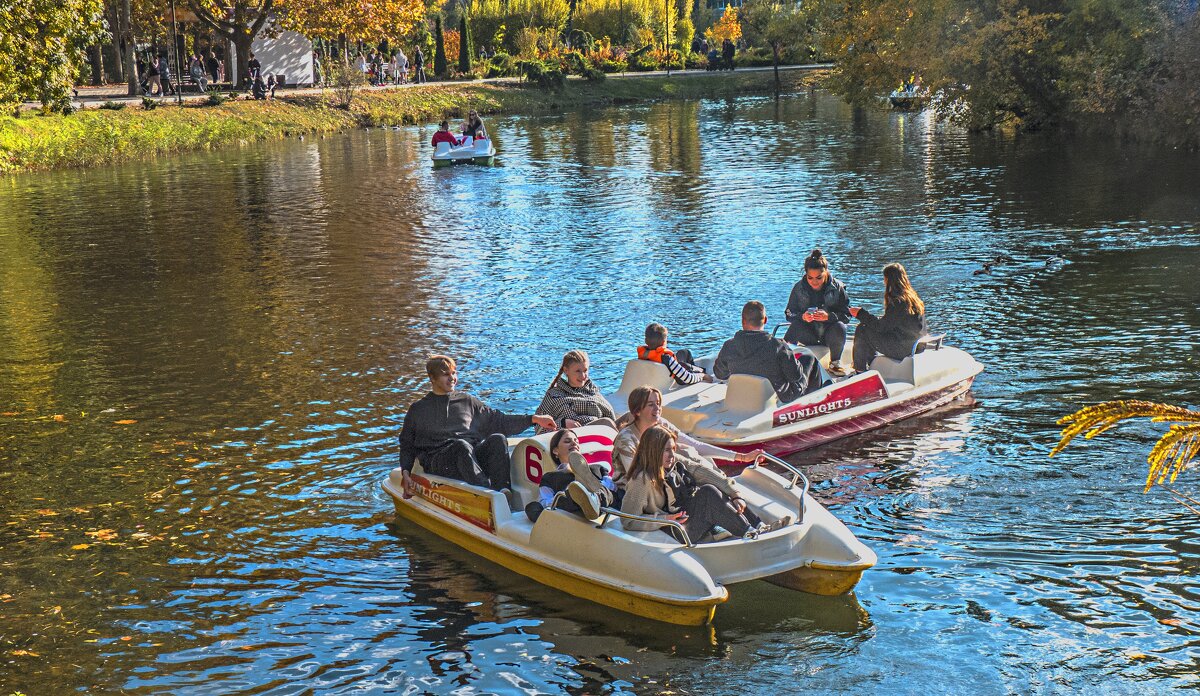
point(816, 261)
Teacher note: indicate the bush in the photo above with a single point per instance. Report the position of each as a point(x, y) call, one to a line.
point(544, 76)
point(613, 66)
point(216, 99)
point(573, 63)
point(149, 104)
point(346, 80)
point(594, 75)
point(642, 61)
point(501, 65)
point(753, 57)
point(114, 106)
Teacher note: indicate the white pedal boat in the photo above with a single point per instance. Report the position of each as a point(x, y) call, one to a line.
point(745, 414)
point(470, 152)
point(649, 574)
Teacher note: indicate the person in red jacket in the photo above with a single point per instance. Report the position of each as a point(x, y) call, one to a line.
point(443, 135)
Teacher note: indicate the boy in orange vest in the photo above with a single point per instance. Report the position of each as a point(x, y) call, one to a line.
point(679, 364)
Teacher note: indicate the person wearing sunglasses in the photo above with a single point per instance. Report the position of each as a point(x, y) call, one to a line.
point(819, 310)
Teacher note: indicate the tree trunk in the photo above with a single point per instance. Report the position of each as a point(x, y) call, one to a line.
point(242, 46)
point(130, 49)
point(96, 60)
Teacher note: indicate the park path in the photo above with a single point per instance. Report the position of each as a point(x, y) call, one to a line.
point(93, 97)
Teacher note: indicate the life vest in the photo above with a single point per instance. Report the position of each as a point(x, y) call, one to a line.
point(655, 355)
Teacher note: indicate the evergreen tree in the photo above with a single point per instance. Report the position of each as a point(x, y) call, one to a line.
point(439, 48)
point(464, 45)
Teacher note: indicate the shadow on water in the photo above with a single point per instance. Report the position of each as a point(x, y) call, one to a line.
point(204, 361)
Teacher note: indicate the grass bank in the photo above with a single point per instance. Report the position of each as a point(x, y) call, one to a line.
point(96, 137)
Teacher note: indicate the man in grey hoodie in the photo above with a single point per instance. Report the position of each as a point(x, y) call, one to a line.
point(752, 351)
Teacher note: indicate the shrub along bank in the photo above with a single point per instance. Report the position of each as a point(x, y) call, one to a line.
point(103, 136)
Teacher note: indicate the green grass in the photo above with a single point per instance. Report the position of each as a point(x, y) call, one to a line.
point(96, 136)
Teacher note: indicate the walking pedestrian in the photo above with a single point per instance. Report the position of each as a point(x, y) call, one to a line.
point(418, 66)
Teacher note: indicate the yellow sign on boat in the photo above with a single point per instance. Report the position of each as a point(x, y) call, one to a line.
point(468, 505)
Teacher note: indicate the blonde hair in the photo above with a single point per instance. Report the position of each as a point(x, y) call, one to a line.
point(572, 357)
point(647, 459)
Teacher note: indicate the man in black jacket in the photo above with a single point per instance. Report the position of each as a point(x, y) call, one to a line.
point(752, 351)
point(457, 435)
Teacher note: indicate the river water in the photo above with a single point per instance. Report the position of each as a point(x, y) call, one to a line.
point(204, 361)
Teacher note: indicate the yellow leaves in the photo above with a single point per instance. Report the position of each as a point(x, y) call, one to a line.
point(46, 512)
point(125, 421)
point(102, 534)
point(10, 413)
point(59, 418)
point(81, 547)
point(1171, 622)
point(23, 653)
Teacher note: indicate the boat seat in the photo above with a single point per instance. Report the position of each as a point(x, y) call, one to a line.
point(481, 146)
point(905, 370)
point(531, 459)
point(644, 372)
point(443, 148)
point(749, 394)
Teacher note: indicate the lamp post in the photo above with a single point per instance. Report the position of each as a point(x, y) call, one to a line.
point(178, 72)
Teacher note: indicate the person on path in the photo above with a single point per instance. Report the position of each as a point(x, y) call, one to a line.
point(154, 78)
point(418, 66)
point(214, 66)
point(456, 435)
point(164, 70)
point(819, 310)
point(196, 70)
point(727, 51)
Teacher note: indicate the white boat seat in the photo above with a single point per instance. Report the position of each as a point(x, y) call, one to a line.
point(749, 394)
point(443, 148)
point(645, 372)
point(467, 141)
point(531, 459)
point(482, 146)
point(893, 370)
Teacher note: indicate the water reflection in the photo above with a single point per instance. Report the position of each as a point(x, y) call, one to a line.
point(203, 361)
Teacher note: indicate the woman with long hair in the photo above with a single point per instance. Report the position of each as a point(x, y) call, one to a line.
point(573, 399)
point(819, 311)
point(586, 492)
point(902, 323)
point(645, 409)
point(665, 486)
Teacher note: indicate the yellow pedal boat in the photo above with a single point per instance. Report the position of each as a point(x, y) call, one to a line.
point(649, 574)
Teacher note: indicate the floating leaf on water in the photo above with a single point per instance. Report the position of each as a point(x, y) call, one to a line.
point(1138, 656)
point(80, 547)
point(79, 510)
point(1171, 622)
point(109, 410)
point(126, 637)
point(46, 512)
point(10, 413)
point(103, 534)
point(125, 421)
point(59, 417)
point(24, 653)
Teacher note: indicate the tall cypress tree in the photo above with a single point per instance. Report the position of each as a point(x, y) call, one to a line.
point(464, 45)
point(439, 48)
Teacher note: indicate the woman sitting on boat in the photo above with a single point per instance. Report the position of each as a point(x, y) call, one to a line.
point(473, 126)
point(573, 399)
point(663, 485)
point(902, 323)
point(819, 310)
point(645, 406)
point(443, 135)
point(588, 486)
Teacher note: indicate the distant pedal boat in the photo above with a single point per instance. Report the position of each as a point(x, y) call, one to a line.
point(472, 151)
point(649, 574)
point(745, 414)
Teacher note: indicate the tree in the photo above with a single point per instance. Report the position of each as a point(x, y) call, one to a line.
point(1173, 452)
point(779, 24)
point(464, 45)
point(336, 20)
point(40, 43)
point(439, 48)
point(239, 21)
point(726, 27)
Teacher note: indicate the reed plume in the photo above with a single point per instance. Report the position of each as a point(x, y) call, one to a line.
point(1178, 447)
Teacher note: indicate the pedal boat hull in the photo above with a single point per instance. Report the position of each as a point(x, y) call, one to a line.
point(648, 574)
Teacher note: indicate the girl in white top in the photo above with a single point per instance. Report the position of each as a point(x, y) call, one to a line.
point(645, 405)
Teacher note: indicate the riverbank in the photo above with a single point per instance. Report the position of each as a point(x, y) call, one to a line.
point(97, 137)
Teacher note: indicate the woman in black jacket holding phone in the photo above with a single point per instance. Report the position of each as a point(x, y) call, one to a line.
point(902, 323)
point(819, 310)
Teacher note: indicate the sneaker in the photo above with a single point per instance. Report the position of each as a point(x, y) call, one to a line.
point(777, 524)
point(719, 534)
point(837, 369)
point(534, 510)
point(751, 533)
point(583, 474)
point(587, 501)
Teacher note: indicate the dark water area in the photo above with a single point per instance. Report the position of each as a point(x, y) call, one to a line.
point(204, 361)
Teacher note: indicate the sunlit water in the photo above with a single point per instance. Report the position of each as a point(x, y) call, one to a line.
point(204, 361)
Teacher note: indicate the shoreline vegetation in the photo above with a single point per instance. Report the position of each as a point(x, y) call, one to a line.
point(96, 137)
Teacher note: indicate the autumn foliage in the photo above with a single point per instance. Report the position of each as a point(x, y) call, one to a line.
point(727, 27)
point(355, 19)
